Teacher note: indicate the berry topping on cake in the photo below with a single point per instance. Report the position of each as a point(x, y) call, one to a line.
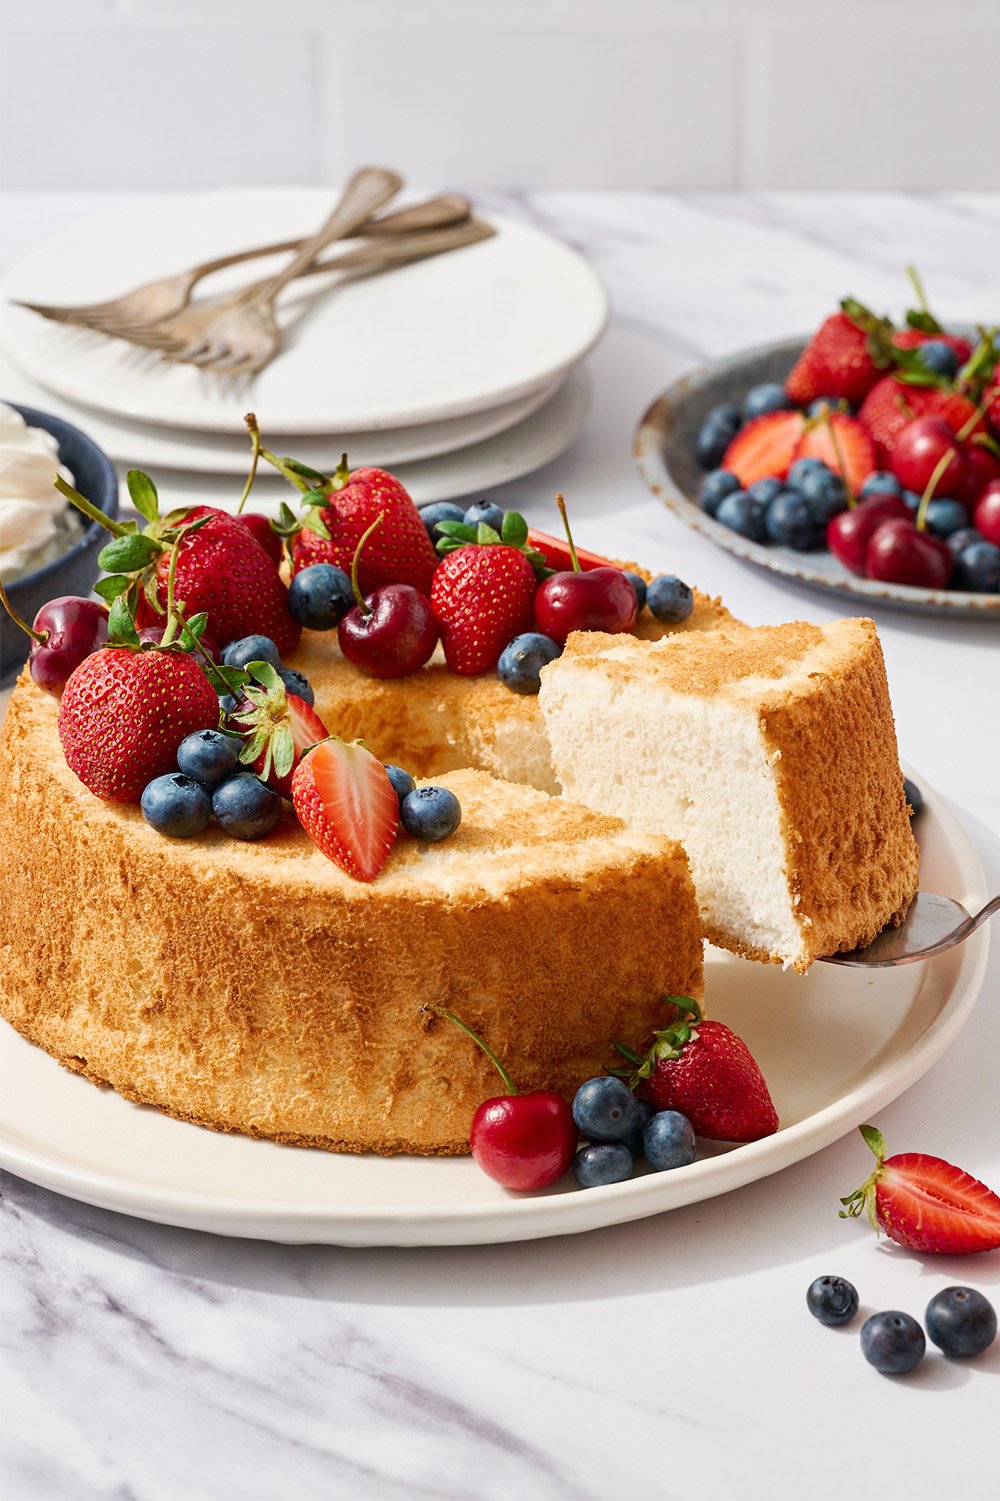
point(705, 1071)
point(176, 805)
point(320, 596)
point(483, 593)
point(430, 813)
point(245, 807)
point(584, 599)
point(347, 805)
point(64, 632)
point(925, 1203)
point(392, 631)
point(521, 662)
point(670, 599)
point(277, 727)
point(209, 756)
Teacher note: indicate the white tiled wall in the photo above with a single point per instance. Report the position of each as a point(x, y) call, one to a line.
point(629, 93)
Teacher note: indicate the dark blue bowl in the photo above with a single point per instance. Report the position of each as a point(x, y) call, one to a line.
point(76, 571)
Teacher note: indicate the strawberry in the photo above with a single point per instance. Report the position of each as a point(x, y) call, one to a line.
point(706, 1072)
point(925, 1203)
point(848, 440)
point(892, 403)
point(992, 396)
point(555, 551)
point(347, 805)
point(277, 727)
point(912, 338)
point(125, 712)
point(258, 526)
point(765, 447)
point(483, 595)
point(400, 552)
point(840, 358)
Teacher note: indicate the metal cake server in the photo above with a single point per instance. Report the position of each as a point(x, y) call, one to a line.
point(932, 924)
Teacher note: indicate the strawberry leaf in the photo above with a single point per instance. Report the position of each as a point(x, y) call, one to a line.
point(874, 1139)
point(459, 531)
point(316, 498)
point(514, 532)
point(121, 626)
point(142, 493)
point(283, 751)
point(312, 521)
point(128, 554)
point(486, 536)
point(110, 588)
point(266, 675)
point(235, 678)
point(923, 321)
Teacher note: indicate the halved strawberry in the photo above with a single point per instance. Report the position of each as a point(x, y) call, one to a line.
point(850, 439)
point(555, 551)
point(925, 1203)
point(347, 806)
point(892, 403)
point(766, 447)
point(277, 726)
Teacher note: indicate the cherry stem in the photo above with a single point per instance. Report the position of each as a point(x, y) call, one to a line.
point(39, 637)
point(918, 289)
point(171, 628)
point(969, 427)
point(560, 502)
point(932, 485)
point(254, 431)
point(82, 504)
point(285, 469)
point(443, 1011)
point(851, 499)
point(359, 597)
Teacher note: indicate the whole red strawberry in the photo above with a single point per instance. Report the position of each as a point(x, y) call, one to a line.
point(277, 727)
point(483, 595)
point(925, 1203)
point(892, 403)
point(838, 360)
point(223, 570)
point(912, 338)
point(400, 552)
point(125, 712)
point(705, 1071)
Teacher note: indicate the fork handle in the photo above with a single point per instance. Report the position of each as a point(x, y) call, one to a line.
point(367, 190)
point(395, 251)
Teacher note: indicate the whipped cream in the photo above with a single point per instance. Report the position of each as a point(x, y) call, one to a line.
point(36, 524)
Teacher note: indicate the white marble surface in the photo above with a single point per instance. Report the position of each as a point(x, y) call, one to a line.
point(669, 1358)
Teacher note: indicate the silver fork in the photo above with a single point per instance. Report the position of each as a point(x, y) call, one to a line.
point(167, 295)
point(243, 338)
point(188, 327)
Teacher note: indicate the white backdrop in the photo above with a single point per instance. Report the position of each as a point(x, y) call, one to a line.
point(626, 93)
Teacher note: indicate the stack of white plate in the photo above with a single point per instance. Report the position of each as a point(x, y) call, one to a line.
point(458, 373)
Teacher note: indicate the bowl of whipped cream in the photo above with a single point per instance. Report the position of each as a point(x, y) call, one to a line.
point(47, 549)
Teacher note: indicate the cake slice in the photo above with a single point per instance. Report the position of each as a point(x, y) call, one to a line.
point(769, 753)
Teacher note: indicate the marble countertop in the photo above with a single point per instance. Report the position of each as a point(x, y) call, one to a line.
point(672, 1357)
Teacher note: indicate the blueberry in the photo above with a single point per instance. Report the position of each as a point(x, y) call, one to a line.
point(522, 661)
point(881, 482)
point(765, 490)
point(438, 511)
point(825, 495)
point(297, 683)
point(946, 516)
point(669, 599)
point(245, 807)
point(638, 588)
point(828, 404)
point(892, 1342)
point(963, 538)
point(605, 1109)
point(914, 796)
point(939, 357)
point(832, 1300)
point(320, 596)
point(800, 469)
point(402, 783)
point(911, 499)
point(176, 805)
point(208, 756)
point(790, 522)
point(768, 397)
point(669, 1141)
point(961, 1321)
point(486, 514)
point(634, 1141)
point(742, 514)
point(714, 488)
point(977, 567)
point(715, 435)
point(430, 813)
point(607, 1162)
point(251, 649)
point(227, 703)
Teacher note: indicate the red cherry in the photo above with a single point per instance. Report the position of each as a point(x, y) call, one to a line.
point(981, 469)
point(393, 633)
point(524, 1141)
point(259, 527)
point(154, 633)
point(920, 447)
point(900, 554)
point(595, 599)
point(72, 629)
point(849, 532)
point(986, 516)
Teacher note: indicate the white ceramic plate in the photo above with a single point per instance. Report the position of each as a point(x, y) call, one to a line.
point(137, 445)
point(437, 340)
point(468, 471)
point(866, 1037)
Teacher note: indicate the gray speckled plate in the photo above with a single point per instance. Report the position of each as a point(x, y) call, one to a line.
point(664, 452)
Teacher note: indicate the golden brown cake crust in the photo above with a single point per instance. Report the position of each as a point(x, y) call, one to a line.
point(255, 987)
